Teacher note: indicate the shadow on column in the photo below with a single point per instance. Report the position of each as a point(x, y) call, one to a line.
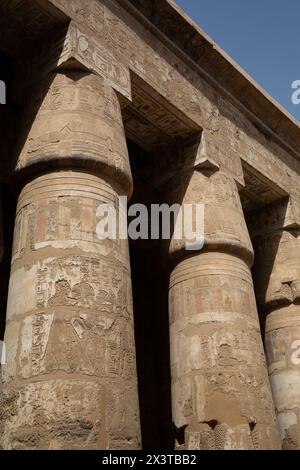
point(261, 278)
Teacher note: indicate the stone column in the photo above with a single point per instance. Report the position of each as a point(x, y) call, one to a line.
point(277, 281)
point(7, 135)
point(70, 380)
point(221, 396)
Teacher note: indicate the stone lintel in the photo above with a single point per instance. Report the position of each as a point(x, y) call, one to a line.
point(70, 48)
point(186, 156)
point(180, 157)
point(261, 190)
point(40, 16)
point(183, 35)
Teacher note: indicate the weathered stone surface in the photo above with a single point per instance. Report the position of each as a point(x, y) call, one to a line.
point(101, 71)
point(78, 123)
point(277, 279)
point(220, 390)
point(69, 46)
point(232, 133)
point(70, 379)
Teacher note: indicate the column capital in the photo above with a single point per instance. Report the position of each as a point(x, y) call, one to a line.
point(185, 156)
point(275, 230)
point(224, 223)
point(74, 121)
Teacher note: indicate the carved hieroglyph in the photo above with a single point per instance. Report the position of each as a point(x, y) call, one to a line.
point(277, 275)
point(70, 380)
point(221, 396)
point(231, 135)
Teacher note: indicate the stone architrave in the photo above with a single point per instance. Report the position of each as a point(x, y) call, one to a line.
point(221, 395)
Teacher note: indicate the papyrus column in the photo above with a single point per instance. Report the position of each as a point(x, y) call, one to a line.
point(7, 134)
point(70, 380)
point(277, 281)
point(221, 396)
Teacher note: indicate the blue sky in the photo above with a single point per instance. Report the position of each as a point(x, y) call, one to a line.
point(263, 36)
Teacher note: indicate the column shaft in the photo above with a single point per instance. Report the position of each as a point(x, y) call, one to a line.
point(278, 288)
